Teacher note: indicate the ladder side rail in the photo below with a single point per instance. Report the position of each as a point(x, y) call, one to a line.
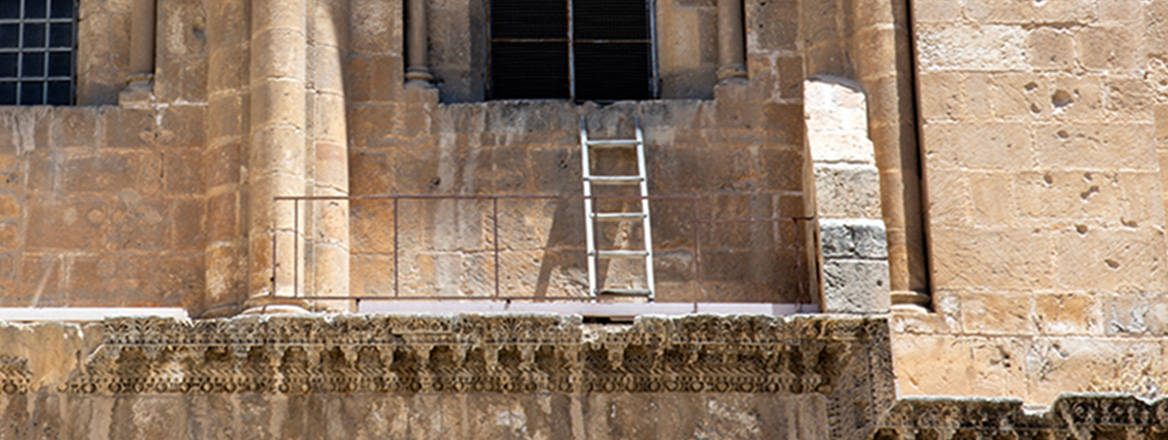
point(589, 226)
point(645, 221)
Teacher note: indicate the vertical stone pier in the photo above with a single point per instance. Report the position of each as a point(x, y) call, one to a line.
point(225, 254)
point(882, 58)
point(276, 127)
point(853, 248)
point(276, 155)
point(328, 45)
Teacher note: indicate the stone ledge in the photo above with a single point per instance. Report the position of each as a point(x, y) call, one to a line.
point(79, 314)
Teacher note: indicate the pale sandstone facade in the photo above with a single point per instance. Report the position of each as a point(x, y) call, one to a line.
point(1041, 128)
point(989, 173)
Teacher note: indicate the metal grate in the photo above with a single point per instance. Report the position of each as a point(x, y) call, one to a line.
point(37, 51)
point(600, 50)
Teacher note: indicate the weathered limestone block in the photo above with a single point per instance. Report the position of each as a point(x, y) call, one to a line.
point(852, 240)
point(990, 47)
point(847, 190)
point(852, 282)
point(858, 239)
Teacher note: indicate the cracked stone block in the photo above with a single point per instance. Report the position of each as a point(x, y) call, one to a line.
point(853, 238)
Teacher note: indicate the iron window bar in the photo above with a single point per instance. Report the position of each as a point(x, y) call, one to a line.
point(56, 17)
point(571, 40)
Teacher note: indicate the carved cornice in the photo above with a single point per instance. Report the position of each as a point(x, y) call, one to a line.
point(1077, 416)
point(471, 353)
point(846, 360)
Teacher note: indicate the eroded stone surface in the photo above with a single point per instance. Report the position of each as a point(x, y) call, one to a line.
point(1072, 416)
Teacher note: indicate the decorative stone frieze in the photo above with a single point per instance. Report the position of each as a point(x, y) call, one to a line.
point(844, 359)
point(1073, 416)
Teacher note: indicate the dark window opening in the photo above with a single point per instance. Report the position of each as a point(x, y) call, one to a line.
point(37, 61)
point(584, 50)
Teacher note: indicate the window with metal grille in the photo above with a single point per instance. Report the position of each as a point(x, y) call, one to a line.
point(37, 40)
point(584, 50)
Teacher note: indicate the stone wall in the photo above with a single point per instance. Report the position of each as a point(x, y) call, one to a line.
point(1045, 207)
point(456, 376)
point(85, 223)
point(1042, 128)
point(532, 148)
point(100, 196)
point(103, 206)
point(741, 152)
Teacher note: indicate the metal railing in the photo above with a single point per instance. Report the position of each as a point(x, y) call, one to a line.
point(697, 222)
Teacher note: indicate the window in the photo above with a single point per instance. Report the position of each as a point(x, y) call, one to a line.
point(598, 50)
point(36, 51)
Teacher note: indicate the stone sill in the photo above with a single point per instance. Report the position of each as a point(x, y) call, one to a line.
point(80, 314)
point(585, 309)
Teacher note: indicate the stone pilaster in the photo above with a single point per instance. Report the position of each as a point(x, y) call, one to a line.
point(852, 241)
point(877, 38)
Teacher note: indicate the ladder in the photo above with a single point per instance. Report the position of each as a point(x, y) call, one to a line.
point(593, 217)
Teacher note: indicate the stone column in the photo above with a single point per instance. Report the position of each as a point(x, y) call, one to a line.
point(225, 253)
point(140, 86)
point(417, 63)
point(731, 46)
point(329, 44)
point(276, 153)
point(853, 257)
point(882, 60)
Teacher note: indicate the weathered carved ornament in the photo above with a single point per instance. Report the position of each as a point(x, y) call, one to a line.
point(472, 353)
point(1073, 416)
point(14, 375)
